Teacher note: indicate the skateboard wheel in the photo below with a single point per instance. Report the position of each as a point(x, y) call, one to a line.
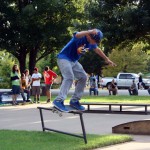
point(60, 115)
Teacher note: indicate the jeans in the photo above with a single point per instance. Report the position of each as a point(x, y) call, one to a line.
point(95, 90)
point(133, 92)
point(70, 71)
point(23, 96)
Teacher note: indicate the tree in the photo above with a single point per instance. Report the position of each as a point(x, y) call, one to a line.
point(37, 28)
point(6, 63)
point(50, 61)
point(121, 22)
point(92, 63)
point(131, 58)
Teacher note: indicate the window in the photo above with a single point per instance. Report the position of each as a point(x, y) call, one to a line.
point(122, 76)
point(129, 76)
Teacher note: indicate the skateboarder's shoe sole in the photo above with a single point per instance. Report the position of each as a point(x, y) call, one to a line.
point(60, 105)
point(77, 105)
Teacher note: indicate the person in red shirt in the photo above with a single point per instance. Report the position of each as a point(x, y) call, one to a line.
point(49, 77)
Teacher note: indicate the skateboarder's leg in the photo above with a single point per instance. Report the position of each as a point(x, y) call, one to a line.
point(81, 75)
point(68, 77)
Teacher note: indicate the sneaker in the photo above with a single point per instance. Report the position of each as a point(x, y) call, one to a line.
point(60, 105)
point(76, 105)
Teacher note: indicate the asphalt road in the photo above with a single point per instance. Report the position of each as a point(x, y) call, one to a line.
point(102, 92)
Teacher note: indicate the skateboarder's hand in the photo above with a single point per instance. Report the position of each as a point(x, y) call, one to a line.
point(110, 63)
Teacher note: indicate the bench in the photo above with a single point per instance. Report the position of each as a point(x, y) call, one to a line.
point(120, 105)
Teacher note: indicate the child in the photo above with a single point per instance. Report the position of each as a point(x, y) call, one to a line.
point(24, 89)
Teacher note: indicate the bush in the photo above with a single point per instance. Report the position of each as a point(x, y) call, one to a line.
point(5, 85)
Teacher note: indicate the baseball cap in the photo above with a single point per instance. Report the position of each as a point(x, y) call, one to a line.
point(36, 69)
point(97, 37)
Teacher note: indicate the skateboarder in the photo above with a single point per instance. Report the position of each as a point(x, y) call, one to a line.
point(70, 68)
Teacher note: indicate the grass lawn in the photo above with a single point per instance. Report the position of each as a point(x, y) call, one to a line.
point(35, 140)
point(117, 99)
point(109, 99)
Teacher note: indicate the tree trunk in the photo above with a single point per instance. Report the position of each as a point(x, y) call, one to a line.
point(22, 60)
point(32, 60)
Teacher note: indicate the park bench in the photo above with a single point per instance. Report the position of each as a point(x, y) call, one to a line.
point(123, 108)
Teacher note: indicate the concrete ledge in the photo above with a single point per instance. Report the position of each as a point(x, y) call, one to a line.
point(141, 127)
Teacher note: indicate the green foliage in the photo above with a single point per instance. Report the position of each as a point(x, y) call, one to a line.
point(92, 63)
point(50, 61)
point(37, 28)
point(6, 63)
point(120, 20)
point(131, 58)
point(31, 30)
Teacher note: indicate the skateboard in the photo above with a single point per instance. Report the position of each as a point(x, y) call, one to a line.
point(60, 112)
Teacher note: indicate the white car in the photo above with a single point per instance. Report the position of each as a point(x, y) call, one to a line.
point(124, 80)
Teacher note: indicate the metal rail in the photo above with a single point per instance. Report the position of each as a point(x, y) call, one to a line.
point(120, 105)
point(58, 131)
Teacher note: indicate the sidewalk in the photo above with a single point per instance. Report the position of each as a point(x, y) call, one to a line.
point(27, 117)
point(139, 143)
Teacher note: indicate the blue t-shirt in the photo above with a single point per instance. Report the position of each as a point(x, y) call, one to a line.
point(73, 50)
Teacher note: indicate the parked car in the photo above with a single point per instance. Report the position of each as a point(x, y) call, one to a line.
point(124, 80)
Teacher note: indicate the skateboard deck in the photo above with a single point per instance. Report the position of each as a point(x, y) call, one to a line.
point(60, 112)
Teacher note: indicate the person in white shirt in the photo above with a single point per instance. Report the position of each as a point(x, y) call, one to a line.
point(36, 78)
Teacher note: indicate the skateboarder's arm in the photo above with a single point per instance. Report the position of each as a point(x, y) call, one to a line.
point(84, 33)
point(101, 54)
